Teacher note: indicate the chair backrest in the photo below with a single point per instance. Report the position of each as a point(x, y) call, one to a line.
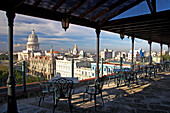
point(62, 87)
point(99, 84)
point(41, 77)
point(42, 81)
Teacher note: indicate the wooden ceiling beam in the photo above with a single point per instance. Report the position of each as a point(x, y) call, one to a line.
point(140, 23)
point(120, 11)
point(150, 6)
point(58, 5)
point(156, 38)
point(48, 14)
point(153, 2)
point(147, 18)
point(19, 3)
point(158, 31)
point(113, 6)
point(101, 2)
point(76, 7)
point(36, 3)
point(162, 24)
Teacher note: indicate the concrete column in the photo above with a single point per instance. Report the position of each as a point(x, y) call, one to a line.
point(23, 75)
point(52, 62)
point(97, 54)
point(12, 105)
point(101, 66)
point(121, 61)
point(150, 49)
point(168, 53)
point(72, 68)
point(132, 52)
point(161, 60)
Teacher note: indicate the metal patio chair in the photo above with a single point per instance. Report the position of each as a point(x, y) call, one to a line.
point(94, 90)
point(63, 89)
point(45, 86)
point(113, 77)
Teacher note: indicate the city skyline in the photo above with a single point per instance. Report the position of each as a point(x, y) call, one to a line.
point(50, 33)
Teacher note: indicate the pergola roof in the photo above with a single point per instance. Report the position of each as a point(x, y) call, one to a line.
point(154, 27)
point(97, 13)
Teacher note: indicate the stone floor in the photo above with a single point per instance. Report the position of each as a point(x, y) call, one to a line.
point(150, 96)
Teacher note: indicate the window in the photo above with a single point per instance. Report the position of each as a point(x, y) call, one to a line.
point(92, 74)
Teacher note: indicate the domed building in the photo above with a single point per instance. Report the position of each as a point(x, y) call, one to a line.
point(32, 48)
point(39, 61)
point(32, 43)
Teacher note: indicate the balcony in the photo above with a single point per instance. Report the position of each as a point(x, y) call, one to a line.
point(149, 96)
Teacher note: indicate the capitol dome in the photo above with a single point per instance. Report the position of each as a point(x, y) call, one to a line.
point(32, 43)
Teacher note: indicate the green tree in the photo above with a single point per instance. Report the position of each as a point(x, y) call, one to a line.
point(3, 57)
point(165, 57)
point(3, 77)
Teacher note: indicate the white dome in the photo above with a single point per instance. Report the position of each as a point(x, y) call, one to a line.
point(32, 38)
point(32, 41)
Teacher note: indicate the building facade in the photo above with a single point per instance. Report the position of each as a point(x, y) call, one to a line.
point(42, 64)
point(108, 68)
point(106, 54)
point(81, 70)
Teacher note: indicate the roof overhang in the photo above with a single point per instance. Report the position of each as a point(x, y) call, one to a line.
point(154, 27)
point(97, 13)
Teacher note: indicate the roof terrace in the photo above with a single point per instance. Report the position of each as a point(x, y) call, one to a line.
point(149, 96)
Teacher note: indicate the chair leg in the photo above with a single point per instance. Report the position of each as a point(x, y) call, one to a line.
point(39, 101)
point(102, 98)
point(83, 96)
point(54, 108)
point(43, 96)
point(95, 101)
point(108, 82)
point(70, 104)
point(118, 81)
point(136, 79)
point(90, 97)
point(55, 104)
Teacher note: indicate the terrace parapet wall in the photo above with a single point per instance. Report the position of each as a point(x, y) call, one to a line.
point(33, 89)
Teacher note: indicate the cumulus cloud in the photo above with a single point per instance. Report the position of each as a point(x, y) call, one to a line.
point(19, 45)
point(2, 42)
point(52, 33)
point(42, 39)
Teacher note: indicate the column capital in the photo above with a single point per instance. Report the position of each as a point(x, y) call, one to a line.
point(149, 41)
point(160, 44)
point(10, 15)
point(98, 31)
point(132, 38)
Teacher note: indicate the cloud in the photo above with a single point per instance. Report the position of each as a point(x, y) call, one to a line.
point(62, 49)
point(19, 45)
point(41, 39)
point(52, 33)
point(2, 42)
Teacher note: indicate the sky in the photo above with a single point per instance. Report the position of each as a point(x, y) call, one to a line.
point(50, 33)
